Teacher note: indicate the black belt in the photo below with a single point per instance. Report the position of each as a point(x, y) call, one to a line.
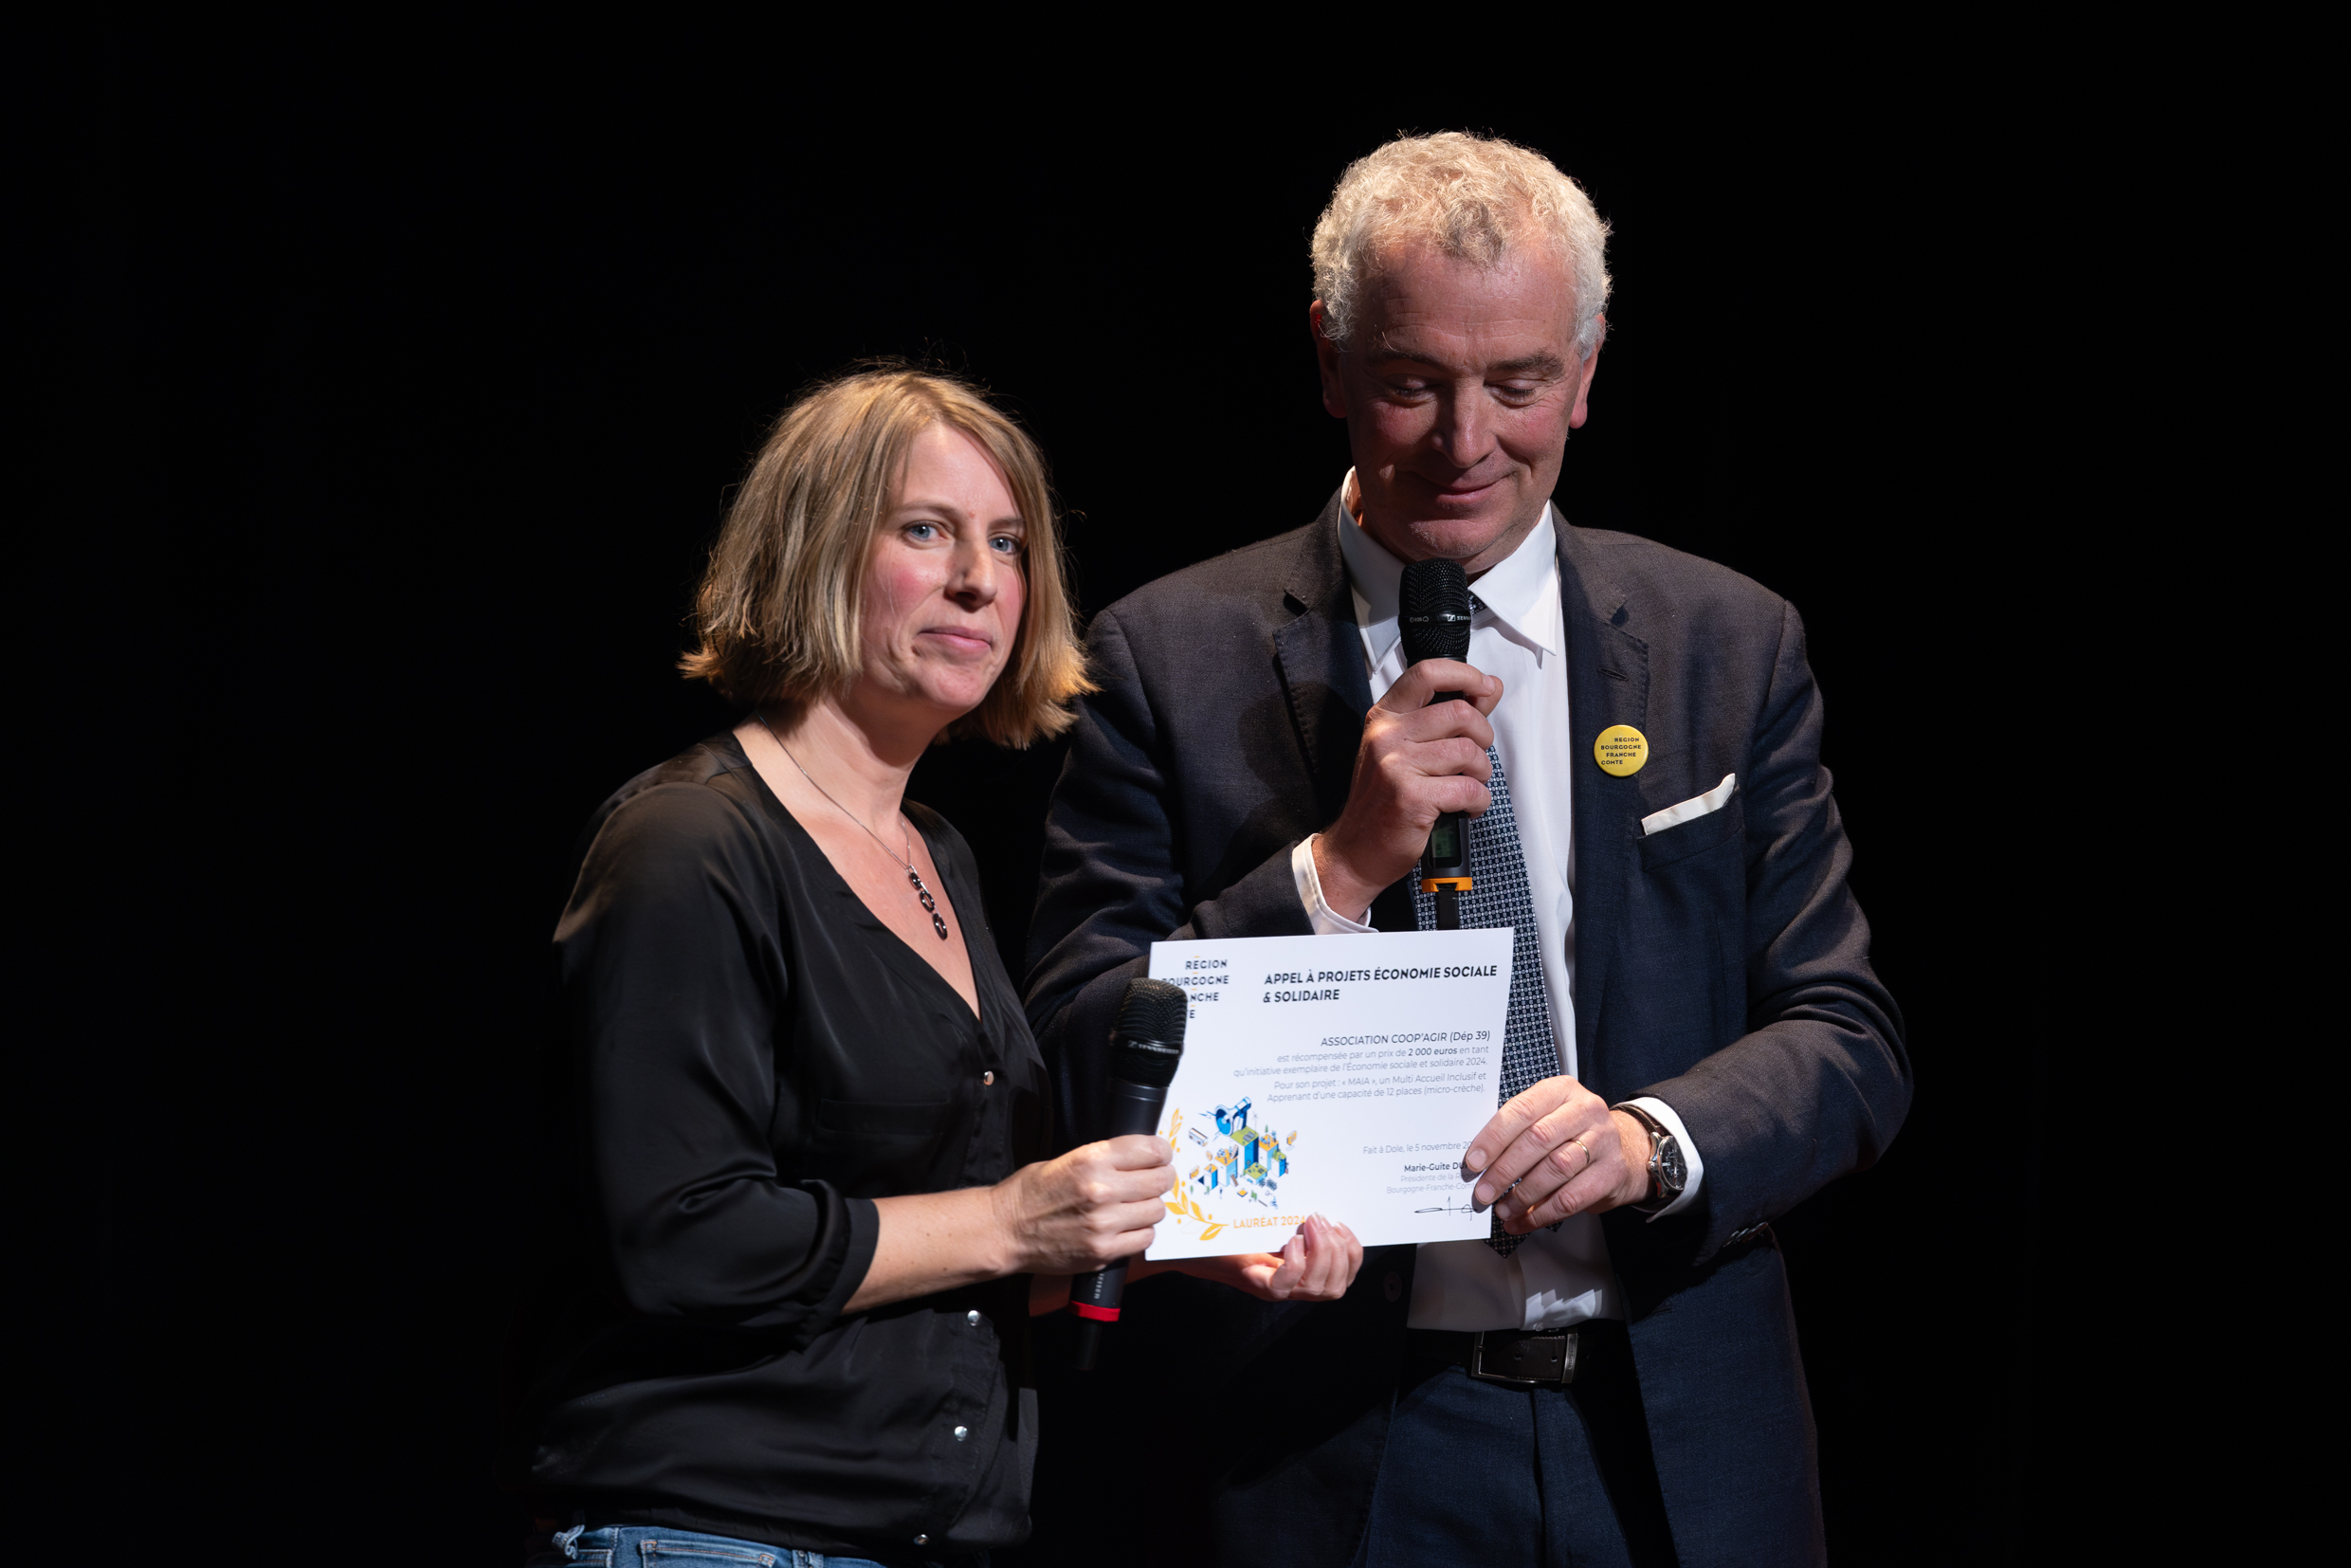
point(1521, 1357)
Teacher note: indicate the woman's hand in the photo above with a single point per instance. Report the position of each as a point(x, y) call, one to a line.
point(1317, 1264)
point(1072, 1216)
point(1091, 1207)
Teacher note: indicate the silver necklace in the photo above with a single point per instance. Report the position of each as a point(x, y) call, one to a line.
point(905, 862)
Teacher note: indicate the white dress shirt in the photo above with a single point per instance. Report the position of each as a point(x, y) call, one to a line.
point(1559, 1277)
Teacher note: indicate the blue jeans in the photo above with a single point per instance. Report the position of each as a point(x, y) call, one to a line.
point(658, 1546)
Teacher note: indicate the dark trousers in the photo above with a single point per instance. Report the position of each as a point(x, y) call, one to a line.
point(1502, 1477)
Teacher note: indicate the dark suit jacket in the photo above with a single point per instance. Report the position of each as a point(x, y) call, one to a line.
point(1721, 965)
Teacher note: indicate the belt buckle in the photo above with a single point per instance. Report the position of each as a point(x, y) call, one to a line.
point(1553, 1361)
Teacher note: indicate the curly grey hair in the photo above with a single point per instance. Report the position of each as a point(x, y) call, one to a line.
point(1472, 198)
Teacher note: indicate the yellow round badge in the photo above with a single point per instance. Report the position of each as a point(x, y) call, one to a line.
point(1621, 750)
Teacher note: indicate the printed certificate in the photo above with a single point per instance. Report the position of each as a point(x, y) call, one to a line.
point(1339, 1075)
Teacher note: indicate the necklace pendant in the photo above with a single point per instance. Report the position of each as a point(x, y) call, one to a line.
point(930, 905)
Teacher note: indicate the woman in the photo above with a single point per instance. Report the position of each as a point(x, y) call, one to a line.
point(801, 1126)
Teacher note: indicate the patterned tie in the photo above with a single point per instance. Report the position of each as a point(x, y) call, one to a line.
point(1499, 896)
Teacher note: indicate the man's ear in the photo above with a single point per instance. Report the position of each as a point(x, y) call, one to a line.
point(1326, 363)
point(1582, 410)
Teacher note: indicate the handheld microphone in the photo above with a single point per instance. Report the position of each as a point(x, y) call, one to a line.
point(1433, 614)
point(1146, 1046)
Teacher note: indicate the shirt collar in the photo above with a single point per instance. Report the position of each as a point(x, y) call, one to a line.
point(1517, 591)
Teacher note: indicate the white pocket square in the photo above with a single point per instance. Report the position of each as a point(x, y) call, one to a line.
point(1692, 808)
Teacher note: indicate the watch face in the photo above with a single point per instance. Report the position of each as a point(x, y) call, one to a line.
point(1672, 1172)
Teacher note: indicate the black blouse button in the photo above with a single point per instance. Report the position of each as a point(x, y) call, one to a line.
point(987, 1078)
point(971, 1318)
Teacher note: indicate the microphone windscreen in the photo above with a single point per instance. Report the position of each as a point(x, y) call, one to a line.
point(1149, 1039)
point(1433, 611)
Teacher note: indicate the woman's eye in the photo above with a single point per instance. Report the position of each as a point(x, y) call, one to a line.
point(922, 533)
point(1006, 544)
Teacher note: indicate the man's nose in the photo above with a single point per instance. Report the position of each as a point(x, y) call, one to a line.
point(1464, 430)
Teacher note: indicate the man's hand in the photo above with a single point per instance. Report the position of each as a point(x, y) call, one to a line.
point(1565, 1150)
point(1415, 762)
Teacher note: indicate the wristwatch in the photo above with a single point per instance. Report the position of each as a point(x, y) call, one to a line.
point(1667, 1175)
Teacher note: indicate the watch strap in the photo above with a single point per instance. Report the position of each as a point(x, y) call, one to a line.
point(1658, 1132)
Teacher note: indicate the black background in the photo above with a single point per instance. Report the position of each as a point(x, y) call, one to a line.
point(422, 387)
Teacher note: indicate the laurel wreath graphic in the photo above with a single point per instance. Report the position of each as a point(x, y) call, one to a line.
point(1187, 1206)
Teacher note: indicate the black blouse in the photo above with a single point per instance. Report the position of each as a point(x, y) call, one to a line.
point(747, 1059)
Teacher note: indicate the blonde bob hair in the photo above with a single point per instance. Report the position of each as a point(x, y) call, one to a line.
point(1475, 199)
point(777, 615)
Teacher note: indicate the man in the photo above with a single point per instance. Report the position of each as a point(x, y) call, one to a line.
point(1696, 1041)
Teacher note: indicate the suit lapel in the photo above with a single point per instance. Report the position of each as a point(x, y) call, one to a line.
point(1608, 684)
point(1318, 650)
